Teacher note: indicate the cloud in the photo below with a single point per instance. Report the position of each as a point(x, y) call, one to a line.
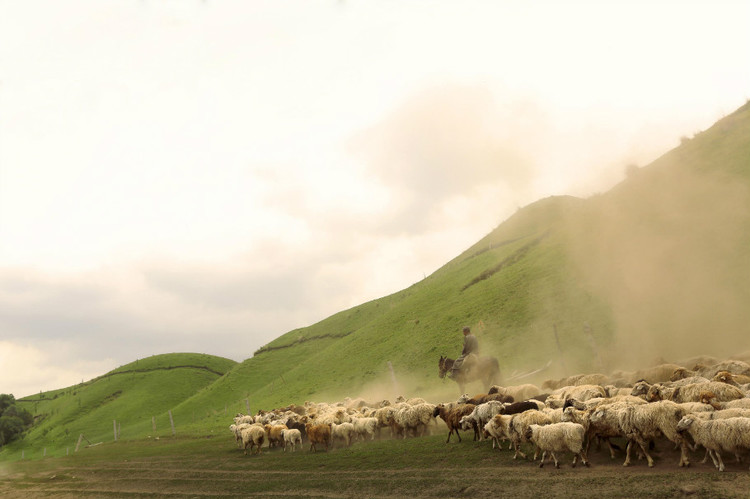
point(446, 143)
point(27, 369)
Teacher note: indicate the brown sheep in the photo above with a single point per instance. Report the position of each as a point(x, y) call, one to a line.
point(731, 378)
point(318, 434)
point(452, 415)
point(273, 434)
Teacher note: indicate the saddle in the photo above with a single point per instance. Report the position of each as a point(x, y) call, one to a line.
point(465, 365)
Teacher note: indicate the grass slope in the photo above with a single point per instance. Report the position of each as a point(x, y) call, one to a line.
point(131, 394)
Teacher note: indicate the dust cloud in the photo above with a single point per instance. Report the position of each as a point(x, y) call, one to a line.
point(669, 251)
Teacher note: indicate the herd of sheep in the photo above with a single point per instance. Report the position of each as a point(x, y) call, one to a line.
point(700, 403)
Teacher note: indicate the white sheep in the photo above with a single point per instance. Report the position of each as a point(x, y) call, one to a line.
point(365, 427)
point(518, 425)
point(483, 413)
point(343, 431)
point(291, 437)
point(644, 423)
point(581, 393)
point(558, 437)
point(253, 436)
point(604, 423)
point(721, 392)
point(494, 433)
point(518, 392)
point(730, 435)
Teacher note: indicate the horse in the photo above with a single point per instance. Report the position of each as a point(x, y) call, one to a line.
point(484, 369)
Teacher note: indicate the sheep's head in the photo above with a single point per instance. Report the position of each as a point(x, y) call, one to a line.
point(437, 410)
point(598, 415)
point(710, 399)
point(529, 432)
point(679, 373)
point(685, 423)
point(640, 388)
point(654, 394)
point(724, 377)
point(568, 414)
point(463, 398)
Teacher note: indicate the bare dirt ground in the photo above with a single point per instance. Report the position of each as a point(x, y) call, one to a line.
point(430, 468)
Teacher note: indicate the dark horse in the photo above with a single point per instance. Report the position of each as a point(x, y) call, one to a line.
point(484, 369)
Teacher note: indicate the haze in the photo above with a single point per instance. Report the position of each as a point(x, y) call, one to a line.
point(206, 176)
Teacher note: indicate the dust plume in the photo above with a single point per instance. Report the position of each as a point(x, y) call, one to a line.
point(668, 251)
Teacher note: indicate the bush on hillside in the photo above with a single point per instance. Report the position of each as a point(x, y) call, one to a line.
point(13, 419)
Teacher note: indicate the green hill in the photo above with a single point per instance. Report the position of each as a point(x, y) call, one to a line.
point(655, 268)
point(131, 395)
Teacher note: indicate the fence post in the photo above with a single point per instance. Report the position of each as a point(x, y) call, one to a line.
point(559, 349)
point(153, 423)
point(393, 378)
point(171, 422)
point(247, 404)
point(79, 442)
point(114, 424)
point(23, 454)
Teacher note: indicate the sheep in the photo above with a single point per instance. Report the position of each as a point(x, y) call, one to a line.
point(558, 437)
point(452, 416)
point(582, 393)
point(614, 391)
point(384, 415)
point(236, 429)
point(656, 374)
point(688, 381)
point(273, 434)
point(518, 392)
point(297, 424)
point(518, 425)
point(604, 423)
point(694, 393)
point(494, 431)
point(414, 418)
point(291, 437)
point(519, 407)
point(643, 423)
point(640, 389)
point(343, 431)
point(484, 412)
point(242, 418)
point(254, 436)
point(731, 379)
point(501, 428)
point(467, 423)
point(593, 379)
point(552, 384)
point(365, 427)
point(318, 434)
point(732, 366)
point(730, 435)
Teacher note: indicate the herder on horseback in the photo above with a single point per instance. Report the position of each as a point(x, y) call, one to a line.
point(470, 351)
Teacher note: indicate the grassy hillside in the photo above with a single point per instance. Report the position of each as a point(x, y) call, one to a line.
point(131, 394)
point(655, 268)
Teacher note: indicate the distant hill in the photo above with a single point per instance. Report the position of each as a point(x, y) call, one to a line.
point(656, 268)
point(131, 394)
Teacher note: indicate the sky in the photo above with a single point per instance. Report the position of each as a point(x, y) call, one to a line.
point(205, 176)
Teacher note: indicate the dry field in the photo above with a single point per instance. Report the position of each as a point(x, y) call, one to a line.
point(414, 468)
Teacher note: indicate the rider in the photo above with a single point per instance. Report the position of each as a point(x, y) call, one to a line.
point(471, 346)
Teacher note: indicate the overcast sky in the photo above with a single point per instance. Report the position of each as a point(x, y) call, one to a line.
point(204, 176)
